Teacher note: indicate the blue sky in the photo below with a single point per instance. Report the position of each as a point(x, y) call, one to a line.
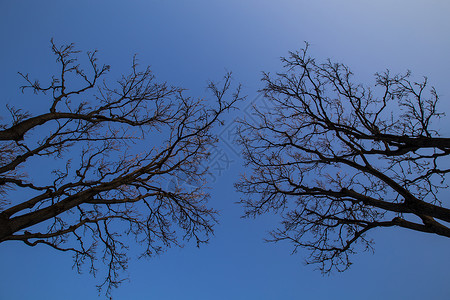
point(188, 43)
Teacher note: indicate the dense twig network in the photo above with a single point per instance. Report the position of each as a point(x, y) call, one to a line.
point(111, 150)
point(339, 159)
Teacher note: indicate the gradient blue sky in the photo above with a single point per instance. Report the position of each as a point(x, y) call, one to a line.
point(187, 43)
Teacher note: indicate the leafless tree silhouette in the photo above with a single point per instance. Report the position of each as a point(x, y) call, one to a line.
point(110, 150)
point(337, 159)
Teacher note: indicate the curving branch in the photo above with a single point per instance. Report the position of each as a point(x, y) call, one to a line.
point(110, 151)
point(338, 159)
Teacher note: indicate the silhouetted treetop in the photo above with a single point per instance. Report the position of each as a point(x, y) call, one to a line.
point(336, 159)
point(108, 150)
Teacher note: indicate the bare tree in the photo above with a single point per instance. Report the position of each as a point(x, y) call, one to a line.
point(337, 159)
point(110, 150)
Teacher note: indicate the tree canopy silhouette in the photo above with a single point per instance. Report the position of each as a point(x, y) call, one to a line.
point(337, 159)
point(106, 152)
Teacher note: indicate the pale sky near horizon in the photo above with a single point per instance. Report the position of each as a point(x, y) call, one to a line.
point(188, 43)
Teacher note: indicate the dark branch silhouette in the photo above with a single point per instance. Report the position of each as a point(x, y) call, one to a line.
point(338, 159)
point(110, 151)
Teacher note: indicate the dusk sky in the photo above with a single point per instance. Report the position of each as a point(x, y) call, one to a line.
point(186, 44)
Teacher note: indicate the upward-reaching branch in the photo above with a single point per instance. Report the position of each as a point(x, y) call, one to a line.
point(341, 159)
point(110, 150)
